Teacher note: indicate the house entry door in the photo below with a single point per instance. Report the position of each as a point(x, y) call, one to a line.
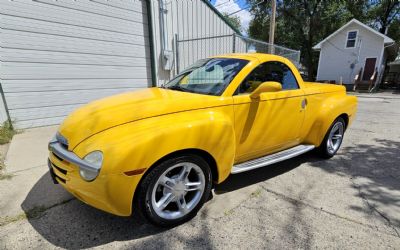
point(369, 68)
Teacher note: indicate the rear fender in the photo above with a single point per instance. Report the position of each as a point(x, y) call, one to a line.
point(330, 109)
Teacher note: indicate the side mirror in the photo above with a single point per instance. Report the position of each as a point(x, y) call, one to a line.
point(266, 87)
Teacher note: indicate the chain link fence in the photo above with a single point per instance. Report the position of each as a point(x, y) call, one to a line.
point(188, 51)
point(246, 44)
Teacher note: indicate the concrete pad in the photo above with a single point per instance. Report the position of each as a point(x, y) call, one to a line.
point(29, 186)
point(29, 190)
point(222, 203)
point(29, 149)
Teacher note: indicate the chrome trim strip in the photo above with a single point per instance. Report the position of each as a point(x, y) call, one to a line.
point(271, 159)
point(60, 151)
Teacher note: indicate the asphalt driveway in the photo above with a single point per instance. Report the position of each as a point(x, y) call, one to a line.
point(350, 201)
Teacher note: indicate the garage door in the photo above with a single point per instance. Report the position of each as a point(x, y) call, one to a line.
point(58, 55)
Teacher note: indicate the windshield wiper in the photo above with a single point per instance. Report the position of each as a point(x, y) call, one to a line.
point(179, 88)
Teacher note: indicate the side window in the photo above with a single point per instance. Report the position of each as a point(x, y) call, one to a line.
point(253, 80)
point(288, 81)
point(269, 71)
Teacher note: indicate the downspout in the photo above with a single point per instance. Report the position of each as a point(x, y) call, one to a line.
point(151, 41)
point(356, 62)
point(164, 34)
point(6, 106)
point(167, 53)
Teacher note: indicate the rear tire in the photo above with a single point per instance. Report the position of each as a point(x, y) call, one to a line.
point(333, 139)
point(174, 190)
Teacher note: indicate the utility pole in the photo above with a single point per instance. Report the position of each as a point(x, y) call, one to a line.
point(272, 27)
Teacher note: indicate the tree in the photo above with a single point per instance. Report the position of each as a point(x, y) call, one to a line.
point(394, 30)
point(358, 9)
point(234, 20)
point(384, 12)
point(300, 24)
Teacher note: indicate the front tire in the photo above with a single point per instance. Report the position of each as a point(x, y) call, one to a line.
point(175, 190)
point(333, 139)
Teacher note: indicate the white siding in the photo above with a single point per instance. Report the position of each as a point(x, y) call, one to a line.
point(58, 55)
point(190, 19)
point(335, 59)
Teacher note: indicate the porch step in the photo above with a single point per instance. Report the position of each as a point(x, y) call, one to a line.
point(271, 159)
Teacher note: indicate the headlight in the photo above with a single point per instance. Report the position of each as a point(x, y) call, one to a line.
point(95, 159)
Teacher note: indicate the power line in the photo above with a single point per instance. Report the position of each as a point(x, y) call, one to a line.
point(227, 5)
point(248, 7)
point(222, 3)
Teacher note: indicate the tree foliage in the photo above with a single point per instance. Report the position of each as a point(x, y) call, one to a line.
point(384, 13)
point(301, 24)
point(234, 20)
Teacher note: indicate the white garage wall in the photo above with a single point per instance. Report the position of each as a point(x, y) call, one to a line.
point(58, 55)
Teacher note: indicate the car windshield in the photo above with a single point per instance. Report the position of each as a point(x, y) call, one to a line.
point(207, 76)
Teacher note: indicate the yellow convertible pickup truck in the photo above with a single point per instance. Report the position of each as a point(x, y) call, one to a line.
point(157, 151)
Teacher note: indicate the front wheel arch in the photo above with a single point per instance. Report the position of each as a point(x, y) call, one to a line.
point(345, 117)
point(190, 151)
point(322, 149)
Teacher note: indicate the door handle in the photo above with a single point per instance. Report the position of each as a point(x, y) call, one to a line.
point(304, 103)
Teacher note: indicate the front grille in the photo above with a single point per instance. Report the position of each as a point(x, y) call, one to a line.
point(56, 156)
point(61, 170)
point(61, 179)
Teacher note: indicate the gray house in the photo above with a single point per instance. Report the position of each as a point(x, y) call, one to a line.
point(353, 49)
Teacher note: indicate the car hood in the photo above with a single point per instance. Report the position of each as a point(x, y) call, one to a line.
point(128, 107)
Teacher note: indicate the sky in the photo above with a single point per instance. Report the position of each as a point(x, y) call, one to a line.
point(229, 6)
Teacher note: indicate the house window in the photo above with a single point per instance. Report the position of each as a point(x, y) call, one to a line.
point(351, 39)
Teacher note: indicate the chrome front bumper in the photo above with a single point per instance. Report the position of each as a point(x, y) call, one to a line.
point(59, 150)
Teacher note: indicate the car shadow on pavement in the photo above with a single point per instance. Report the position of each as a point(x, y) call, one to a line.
point(70, 223)
point(374, 171)
point(238, 181)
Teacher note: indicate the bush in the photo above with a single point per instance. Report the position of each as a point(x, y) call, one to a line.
point(6, 132)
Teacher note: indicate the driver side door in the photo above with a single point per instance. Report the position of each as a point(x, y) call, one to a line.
point(271, 123)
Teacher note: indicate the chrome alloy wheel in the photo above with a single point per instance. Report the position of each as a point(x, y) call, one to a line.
point(335, 138)
point(178, 190)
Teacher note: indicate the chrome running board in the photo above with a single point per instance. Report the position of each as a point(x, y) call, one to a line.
point(271, 159)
